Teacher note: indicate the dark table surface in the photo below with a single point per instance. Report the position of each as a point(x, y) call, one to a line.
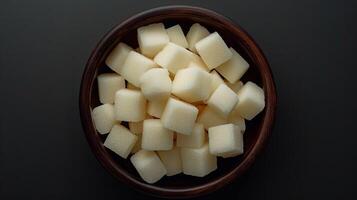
point(311, 46)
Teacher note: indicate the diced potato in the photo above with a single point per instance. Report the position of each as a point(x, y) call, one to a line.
point(173, 57)
point(137, 127)
point(192, 84)
point(103, 118)
point(156, 84)
point(132, 87)
point(223, 100)
point(177, 36)
point(152, 38)
point(251, 101)
point(235, 86)
point(236, 119)
point(116, 58)
point(171, 160)
point(137, 146)
point(148, 165)
point(134, 66)
point(120, 140)
point(213, 50)
point(234, 68)
point(200, 108)
point(108, 84)
point(179, 116)
point(198, 62)
point(209, 117)
point(155, 136)
point(130, 105)
point(198, 161)
point(156, 108)
point(195, 140)
point(195, 34)
point(225, 140)
point(216, 80)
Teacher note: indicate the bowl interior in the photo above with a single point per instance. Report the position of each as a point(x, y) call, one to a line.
point(126, 32)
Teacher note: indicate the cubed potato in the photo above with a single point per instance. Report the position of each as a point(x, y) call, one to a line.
point(130, 105)
point(108, 84)
point(195, 140)
point(236, 119)
point(103, 118)
point(209, 117)
point(251, 101)
point(198, 62)
point(234, 68)
point(213, 50)
point(148, 165)
point(216, 80)
point(156, 84)
point(235, 86)
point(200, 108)
point(177, 36)
point(137, 127)
point(134, 66)
point(171, 160)
point(116, 58)
point(156, 108)
point(120, 140)
point(195, 34)
point(132, 87)
point(155, 136)
point(152, 38)
point(192, 84)
point(223, 100)
point(173, 57)
point(137, 146)
point(179, 116)
point(198, 161)
point(225, 140)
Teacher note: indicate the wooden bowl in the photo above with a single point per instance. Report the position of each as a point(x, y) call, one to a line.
point(257, 132)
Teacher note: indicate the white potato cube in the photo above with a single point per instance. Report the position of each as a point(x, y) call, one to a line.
point(198, 161)
point(152, 38)
point(179, 116)
point(225, 140)
point(132, 87)
point(223, 100)
point(198, 62)
point(209, 118)
point(130, 105)
point(236, 119)
point(235, 86)
point(137, 146)
point(156, 108)
point(117, 57)
point(103, 118)
point(134, 66)
point(120, 140)
point(251, 100)
point(156, 84)
point(171, 160)
point(195, 34)
point(192, 84)
point(213, 50)
point(108, 84)
point(156, 136)
point(148, 165)
point(234, 68)
point(177, 36)
point(195, 140)
point(137, 127)
point(173, 57)
point(216, 80)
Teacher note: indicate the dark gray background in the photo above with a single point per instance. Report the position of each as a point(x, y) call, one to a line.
point(311, 46)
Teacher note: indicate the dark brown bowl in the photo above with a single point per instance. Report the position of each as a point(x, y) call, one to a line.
point(257, 132)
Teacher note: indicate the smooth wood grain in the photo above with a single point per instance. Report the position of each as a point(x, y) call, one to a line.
point(258, 130)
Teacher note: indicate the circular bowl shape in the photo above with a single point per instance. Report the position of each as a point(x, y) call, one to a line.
point(258, 129)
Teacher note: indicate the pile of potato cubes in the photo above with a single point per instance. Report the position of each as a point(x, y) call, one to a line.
point(170, 90)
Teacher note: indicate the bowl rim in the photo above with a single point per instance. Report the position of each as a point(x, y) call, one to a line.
point(88, 78)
